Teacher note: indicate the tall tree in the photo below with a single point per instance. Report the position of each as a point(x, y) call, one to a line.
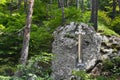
point(63, 12)
point(25, 48)
point(11, 7)
point(94, 14)
point(19, 3)
point(66, 3)
point(77, 4)
point(119, 4)
point(82, 5)
point(25, 6)
point(114, 9)
point(89, 4)
point(59, 4)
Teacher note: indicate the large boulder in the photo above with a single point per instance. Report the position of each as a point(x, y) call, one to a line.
point(65, 50)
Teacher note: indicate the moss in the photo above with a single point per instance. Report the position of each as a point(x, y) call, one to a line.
point(106, 31)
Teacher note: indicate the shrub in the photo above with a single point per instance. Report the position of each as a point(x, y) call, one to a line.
point(115, 25)
point(112, 66)
point(6, 70)
point(37, 67)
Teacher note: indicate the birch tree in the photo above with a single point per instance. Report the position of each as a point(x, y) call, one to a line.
point(25, 48)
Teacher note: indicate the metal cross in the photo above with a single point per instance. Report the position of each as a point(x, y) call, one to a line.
point(80, 33)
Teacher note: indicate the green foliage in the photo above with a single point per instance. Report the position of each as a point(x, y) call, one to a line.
point(115, 25)
point(38, 67)
point(4, 78)
point(82, 74)
point(3, 1)
point(103, 18)
point(46, 18)
point(40, 12)
point(104, 5)
point(108, 64)
point(106, 31)
point(7, 70)
point(1, 28)
point(85, 76)
point(112, 66)
point(41, 39)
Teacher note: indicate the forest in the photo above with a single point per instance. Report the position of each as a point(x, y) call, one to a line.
point(26, 35)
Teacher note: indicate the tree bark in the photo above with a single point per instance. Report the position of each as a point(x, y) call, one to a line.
point(94, 14)
point(59, 5)
point(25, 6)
point(51, 1)
point(114, 9)
point(10, 7)
point(82, 5)
point(25, 48)
point(77, 4)
point(63, 12)
point(119, 4)
point(19, 3)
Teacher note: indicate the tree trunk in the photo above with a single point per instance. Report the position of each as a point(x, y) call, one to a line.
point(51, 1)
point(59, 5)
point(19, 3)
point(25, 6)
point(67, 3)
point(119, 4)
point(94, 14)
point(77, 4)
point(82, 5)
point(114, 9)
point(10, 7)
point(25, 48)
point(63, 12)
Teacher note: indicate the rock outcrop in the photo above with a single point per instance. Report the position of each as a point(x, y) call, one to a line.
point(109, 50)
point(110, 47)
point(65, 49)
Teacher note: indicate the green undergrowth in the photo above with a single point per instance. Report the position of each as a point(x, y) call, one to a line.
point(106, 31)
point(5, 78)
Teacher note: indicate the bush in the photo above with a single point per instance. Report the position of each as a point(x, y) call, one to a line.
point(6, 70)
point(112, 66)
point(115, 25)
point(37, 67)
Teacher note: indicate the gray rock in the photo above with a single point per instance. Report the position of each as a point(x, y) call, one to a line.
point(110, 46)
point(65, 49)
